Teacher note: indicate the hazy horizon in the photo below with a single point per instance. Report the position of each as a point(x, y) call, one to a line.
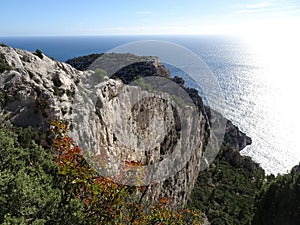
point(73, 18)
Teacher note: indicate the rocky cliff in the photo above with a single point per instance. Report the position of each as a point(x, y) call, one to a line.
point(116, 121)
point(128, 68)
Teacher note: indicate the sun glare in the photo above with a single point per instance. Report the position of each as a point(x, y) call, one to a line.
point(275, 48)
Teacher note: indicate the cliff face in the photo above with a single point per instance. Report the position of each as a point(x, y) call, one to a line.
point(133, 125)
point(113, 122)
point(128, 67)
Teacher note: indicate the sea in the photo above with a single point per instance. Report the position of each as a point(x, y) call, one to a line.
point(258, 78)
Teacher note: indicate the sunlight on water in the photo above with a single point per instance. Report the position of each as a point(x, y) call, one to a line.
point(276, 96)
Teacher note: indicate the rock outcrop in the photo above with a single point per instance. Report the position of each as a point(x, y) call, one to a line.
point(151, 66)
point(116, 123)
point(36, 91)
point(147, 128)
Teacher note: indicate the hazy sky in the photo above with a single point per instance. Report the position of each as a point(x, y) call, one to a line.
point(99, 17)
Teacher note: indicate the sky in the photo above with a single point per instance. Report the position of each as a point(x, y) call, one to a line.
point(130, 17)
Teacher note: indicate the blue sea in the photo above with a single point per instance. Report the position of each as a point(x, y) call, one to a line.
point(258, 78)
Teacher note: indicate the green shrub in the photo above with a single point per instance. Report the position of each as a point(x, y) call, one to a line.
point(4, 67)
point(26, 58)
point(56, 81)
point(98, 76)
point(56, 91)
point(39, 54)
point(279, 200)
point(64, 110)
point(140, 81)
point(70, 93)
point(3, 64)
point(30, 190)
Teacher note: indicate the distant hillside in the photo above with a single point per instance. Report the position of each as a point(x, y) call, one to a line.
point(83, 62)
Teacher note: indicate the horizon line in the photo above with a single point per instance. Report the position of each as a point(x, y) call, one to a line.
point(103, 35)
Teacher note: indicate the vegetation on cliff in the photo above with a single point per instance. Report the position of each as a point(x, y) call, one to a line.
point(3, 64)
point(226, 191)
point(83, 62)
point(30, 191)
point(57, 186)
point(279, 200)
point(235, 190)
